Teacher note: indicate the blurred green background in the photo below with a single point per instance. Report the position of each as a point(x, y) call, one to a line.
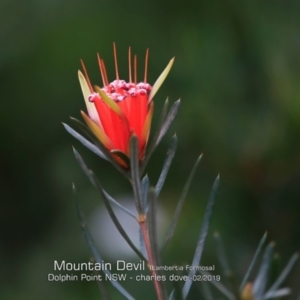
point(237, 71)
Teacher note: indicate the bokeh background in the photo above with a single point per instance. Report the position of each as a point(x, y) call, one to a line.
point(237, 71)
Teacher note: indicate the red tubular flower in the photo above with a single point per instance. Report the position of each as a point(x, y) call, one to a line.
point(120, 108)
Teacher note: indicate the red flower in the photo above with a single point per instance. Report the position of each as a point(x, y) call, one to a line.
point(120, 108)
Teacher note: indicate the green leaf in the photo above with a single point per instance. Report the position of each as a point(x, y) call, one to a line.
point(110, 198)
point(86, 131)
point(221, 254)
point(274, 267)
point(152, 226)
point(103, 149)
point(286, 271)
point(91, 108)
point(84, 141)
point(152, 230)
point(166, 166)
point(168, 121)
point(145, 192)
point(278, 294)
point(261, 280)
point(202, 237)
point(180, 203)
point(162, 129)
point(161, 79)
point(91, 244)
point(106, 201)
point(163, 114)
point(253, 262)
point(135, 174)
point(117, 204)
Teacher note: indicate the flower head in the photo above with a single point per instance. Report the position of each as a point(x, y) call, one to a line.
point(120, 109)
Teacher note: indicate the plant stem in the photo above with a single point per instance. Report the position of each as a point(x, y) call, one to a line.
point(151, 261)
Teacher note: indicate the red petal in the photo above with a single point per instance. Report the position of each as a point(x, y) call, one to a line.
point(115, 127)
point(121, 131)
point(137, 112)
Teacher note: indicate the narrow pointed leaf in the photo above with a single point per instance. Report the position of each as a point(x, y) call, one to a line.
point(260, 282)
point(84, 141)
point(103, 149)
point(152, 229)
point(180, 203)
point(274, 267)
point(84, 86)
point(277, 294)
point(286, 271)
point(110, 198)
point(135, 174)
point(91, 108)
point(166, 166)
point(151, 147)
point(163, 114)
point(152, 225)
point(221, 254)
point(202, 237)
point(161, 131)
point(152, 232)
point(168, 121)
point(102, 287)
point(93, 248)
point(172, 295)
point(83, 166)
point(161, 79)
point(117, 204)
point(88, 133)
point(112, 215)
point(116, 222)
point(145, 191)
point(253, 262)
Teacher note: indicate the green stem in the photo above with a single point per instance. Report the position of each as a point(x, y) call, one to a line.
point(151, 262)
